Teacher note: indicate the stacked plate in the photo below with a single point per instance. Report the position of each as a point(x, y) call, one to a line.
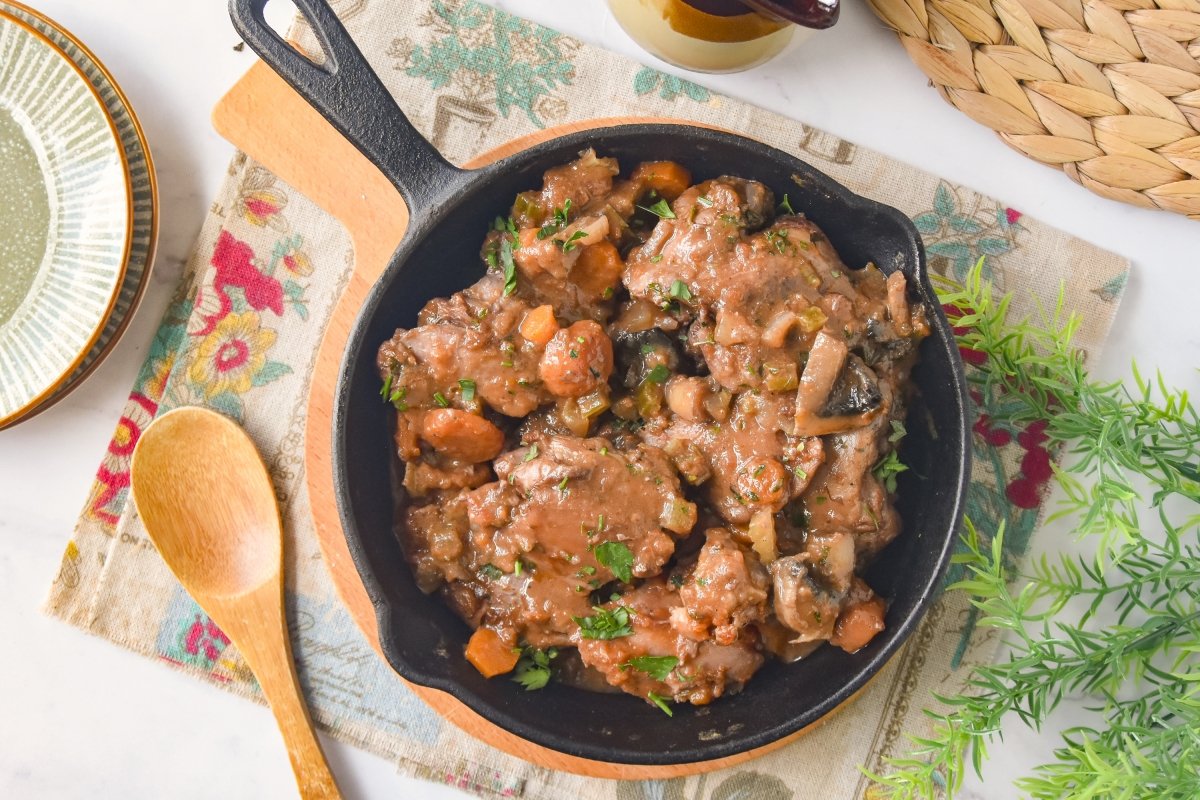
point(78, 213)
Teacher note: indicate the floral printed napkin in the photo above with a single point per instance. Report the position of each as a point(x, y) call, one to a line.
point(244, 326)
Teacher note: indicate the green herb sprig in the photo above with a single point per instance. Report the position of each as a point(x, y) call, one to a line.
point(1135, 647)
point(533, 668)
point(605, 623)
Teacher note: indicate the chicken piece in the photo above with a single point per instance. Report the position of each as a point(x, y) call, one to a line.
point(725, 591)
point(471, 336)
point(746, 463)
point(537, 542)
point(654, 657)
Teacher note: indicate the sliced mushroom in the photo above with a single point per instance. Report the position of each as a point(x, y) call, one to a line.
point(855, 392)
point(800, 603)
point(838, 392)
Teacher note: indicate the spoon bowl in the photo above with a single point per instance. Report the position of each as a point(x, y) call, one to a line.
point(206, 500)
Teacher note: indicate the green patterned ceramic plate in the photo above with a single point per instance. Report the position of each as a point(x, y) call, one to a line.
point(142, 183)
point(65, 217)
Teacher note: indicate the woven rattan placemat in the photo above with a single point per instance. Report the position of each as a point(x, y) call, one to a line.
point(1108, 91)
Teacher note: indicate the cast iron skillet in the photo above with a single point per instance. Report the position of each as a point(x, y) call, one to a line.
point(451, 210)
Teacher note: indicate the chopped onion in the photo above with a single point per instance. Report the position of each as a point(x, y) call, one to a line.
point(762, 535)
point(685, 396)
point(780, 377)
point(717, 404)
point(733, 328)
point(573, 417)
point(775, 334)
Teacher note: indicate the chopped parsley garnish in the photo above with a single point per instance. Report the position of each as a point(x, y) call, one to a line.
point(570, 244)
point(604, 450)
point(898, 431)
point(656, 259)
point(661, 703)
point(704, 201)
point(468, 389)
point(518, 567)
point(760, 469)
point(605, 624)
point(659, 374)
point(562, 485)
point(441, 400)
point(778, 240)
point(557, 222)
point(786, 205)
point(660, 209)
point(491, 572)
point(618, 558)
point(887, 470)
point(398, 398)
point(680, 290)
point(533, 452)
point(508, 243)
point(386, 391)
point(585, 571)
point(657, 667)
point(533, 669)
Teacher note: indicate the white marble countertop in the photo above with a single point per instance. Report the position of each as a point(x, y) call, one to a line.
point(83, 718)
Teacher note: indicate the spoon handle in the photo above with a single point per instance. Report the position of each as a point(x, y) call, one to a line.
point(272, 663)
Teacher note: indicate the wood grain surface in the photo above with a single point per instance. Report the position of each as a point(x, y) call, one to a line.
point(266, 119)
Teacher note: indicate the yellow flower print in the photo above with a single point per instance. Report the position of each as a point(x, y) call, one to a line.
point(259, 201)
point(228, 358)
point(157, 383)
point(298, 263)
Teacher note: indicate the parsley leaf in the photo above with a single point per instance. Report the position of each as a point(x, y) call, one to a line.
point(468, 389)
point(704, 201)
point(533, 668)
point(618, 558)
point(386, 391)
point(557, 222)
point(441, 400)
point(532, 453)
point(660, 209)
point(660, 702)
point(491, 572)
point(887, 469)
point(657, 667)
point(397, 398)
point(898, 431)
point(786, 205)
point(510, 266)
point(680, 291)
point(659, 374)
point(570, 244)
point(605, 624)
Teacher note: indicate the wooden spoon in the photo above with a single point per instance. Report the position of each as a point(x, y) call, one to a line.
point(205, 498)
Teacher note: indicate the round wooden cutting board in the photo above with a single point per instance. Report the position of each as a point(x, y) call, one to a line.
point(299, 145)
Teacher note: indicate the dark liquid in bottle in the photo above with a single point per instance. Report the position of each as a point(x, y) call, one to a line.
point(813, 13)
point(719, 8)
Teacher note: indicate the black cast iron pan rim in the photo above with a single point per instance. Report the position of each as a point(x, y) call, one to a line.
point(350, 95)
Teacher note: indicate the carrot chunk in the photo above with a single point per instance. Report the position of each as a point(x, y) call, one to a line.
point(490, 654)
point(461, 435)
point(858, 624)
point(598, 268)
point(539, 325)
point(665, 177)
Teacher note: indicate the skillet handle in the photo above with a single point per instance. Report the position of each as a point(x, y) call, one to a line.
point(350, 95)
